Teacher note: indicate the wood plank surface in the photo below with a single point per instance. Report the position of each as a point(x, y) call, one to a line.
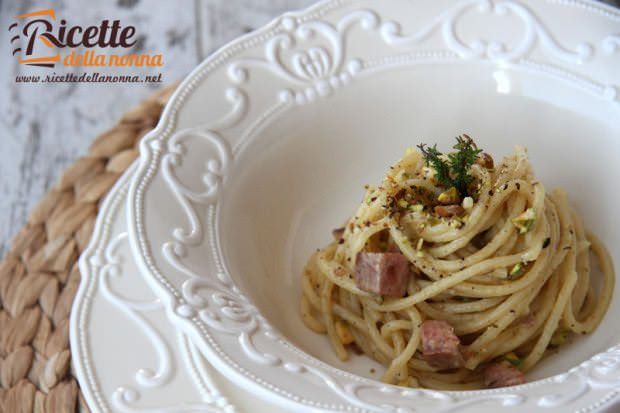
point(45, 127)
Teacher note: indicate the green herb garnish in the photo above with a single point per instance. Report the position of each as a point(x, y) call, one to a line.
point(452, 170)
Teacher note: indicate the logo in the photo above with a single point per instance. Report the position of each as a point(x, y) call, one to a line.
point(40, 39)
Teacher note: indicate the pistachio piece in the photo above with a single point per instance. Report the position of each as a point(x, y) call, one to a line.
point(456, 223)
point(559, 337)
point(516, 271)
point(513, 359)
point(525, 221)
point(449, 197)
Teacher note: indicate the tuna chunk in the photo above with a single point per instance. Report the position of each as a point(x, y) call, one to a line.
point(384, 273)
point(440, 346)
point(502, 374)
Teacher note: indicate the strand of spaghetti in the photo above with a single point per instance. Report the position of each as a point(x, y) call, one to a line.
point(569, 278)
point(394, 325)
point(310, 322)
point(403, 356)
point(371, 326)
point(444, 283)
point(491, 247)
point(497, 201)
point(466, 307)
point(328, 320)
point(594, 318)
point(400, 373)
point(340, 311)
point(583, 267)
point(514, 337)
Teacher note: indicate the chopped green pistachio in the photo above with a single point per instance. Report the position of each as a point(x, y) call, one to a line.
point(402, 203)
point(455, 223)
point(451, 196)
point(417, 207)
point(516, 271)
point(419, 254)
point(513, 359)
point(525, 221)
point(432, 221)
point(420, 244)
point(559, 337)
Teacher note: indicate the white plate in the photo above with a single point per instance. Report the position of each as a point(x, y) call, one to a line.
point(265, 148)
point(127, 356)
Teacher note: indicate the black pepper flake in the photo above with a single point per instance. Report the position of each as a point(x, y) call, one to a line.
point(490, 192)
point(518, 186)
point(341, 241)
point(373, 199)
point(546, 243)
point(505, 187)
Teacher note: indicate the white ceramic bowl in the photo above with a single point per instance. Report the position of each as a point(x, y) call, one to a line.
point(267, 145)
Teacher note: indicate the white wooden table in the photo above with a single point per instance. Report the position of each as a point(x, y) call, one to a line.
point(45, 127)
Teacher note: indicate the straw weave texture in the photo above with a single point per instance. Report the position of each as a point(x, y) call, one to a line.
point(39, 275)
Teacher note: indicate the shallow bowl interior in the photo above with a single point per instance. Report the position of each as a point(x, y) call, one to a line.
point(304, 174)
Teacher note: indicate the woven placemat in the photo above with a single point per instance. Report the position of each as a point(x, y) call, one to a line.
point(39, 276)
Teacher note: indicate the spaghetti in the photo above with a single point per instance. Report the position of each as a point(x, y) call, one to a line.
point(508, 268)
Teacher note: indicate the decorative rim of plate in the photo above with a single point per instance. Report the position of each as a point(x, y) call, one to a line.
point(309, 76)
point(98, 263)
